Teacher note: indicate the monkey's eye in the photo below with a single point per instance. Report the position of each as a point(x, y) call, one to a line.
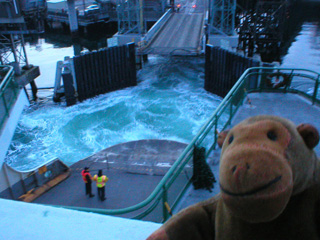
point(272, 135)
point(230, 139)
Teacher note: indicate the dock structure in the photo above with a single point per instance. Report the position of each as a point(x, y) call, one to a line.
point(85, 13)
point(90, 12)
point(16, 19)
point(262, 28)
point(98, 72)
point(182, 30)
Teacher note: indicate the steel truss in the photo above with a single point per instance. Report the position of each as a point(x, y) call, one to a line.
point(132, 14)
point(222, 17)
point(12, 49)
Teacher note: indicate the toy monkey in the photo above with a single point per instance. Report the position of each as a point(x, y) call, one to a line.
point(270, 187)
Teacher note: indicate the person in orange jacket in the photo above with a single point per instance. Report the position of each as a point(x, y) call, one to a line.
point(101, 183)
point(86, 176)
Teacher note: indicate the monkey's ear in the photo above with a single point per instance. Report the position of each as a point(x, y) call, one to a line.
point(309, 134)
point(221, 137)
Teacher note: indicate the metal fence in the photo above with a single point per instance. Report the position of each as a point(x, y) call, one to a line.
point(9, 90)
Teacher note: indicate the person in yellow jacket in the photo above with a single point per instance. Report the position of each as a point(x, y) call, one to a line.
point(101, 183)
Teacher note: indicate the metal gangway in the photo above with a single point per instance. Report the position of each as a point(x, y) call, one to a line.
point(183, 32)
point(183, 29)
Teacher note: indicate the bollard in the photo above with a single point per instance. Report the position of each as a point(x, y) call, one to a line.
point(68, 87)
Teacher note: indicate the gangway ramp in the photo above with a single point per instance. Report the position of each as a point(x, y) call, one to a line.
point(181, 35)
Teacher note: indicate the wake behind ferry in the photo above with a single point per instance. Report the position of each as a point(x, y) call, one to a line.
point(163, 168)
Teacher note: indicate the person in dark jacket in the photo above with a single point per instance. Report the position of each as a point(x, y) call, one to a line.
point(86, 176)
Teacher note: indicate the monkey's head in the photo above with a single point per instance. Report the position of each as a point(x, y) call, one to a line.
point(264, 161)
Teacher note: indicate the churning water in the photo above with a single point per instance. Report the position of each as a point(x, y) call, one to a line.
point(168, 103)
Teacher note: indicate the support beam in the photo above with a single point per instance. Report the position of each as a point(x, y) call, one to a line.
point(73, 20)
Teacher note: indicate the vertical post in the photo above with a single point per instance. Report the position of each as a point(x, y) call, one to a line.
point(163, 5)
point(315, 91)
point(164, 201)
point(24, 51)
point(34, 90)
point(73, 21)
point(234, 5)
point(76, 46)
point(215, 132)
point(69, 86)
point(13, 47)
point(57, 83)
point(230, 117)
point(23, 183)
point(7, 180)
point(222, 15)
point(36, 182)
point(118, 16)
point(141, 16)
point(172, 5)
point(5, 105)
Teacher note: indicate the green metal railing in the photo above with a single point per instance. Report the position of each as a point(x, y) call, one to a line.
point(173, 185)
point(9, 90)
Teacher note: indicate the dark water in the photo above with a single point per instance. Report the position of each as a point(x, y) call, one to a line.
point(168, 103)
point(302, 38)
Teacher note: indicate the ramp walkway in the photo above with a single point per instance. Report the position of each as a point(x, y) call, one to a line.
point(182, 33)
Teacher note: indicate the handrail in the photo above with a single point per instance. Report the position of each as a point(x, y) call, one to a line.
point(228, 106)
point(158, 25)
point(6, 77)
point(8, 93)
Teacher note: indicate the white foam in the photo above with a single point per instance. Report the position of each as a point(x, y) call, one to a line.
point(168, 103)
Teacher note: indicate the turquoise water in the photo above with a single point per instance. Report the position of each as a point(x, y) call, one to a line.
point(169, 103)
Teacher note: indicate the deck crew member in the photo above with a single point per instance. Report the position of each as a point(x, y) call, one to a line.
point(87, 178)
point(101, 182)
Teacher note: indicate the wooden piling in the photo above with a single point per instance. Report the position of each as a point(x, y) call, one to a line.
point(223, 68)
point(105, 70)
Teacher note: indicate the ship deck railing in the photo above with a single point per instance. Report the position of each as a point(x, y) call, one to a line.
point(9, 91)
point(164, 199)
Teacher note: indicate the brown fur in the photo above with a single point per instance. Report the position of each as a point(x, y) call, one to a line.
point(270, 187)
